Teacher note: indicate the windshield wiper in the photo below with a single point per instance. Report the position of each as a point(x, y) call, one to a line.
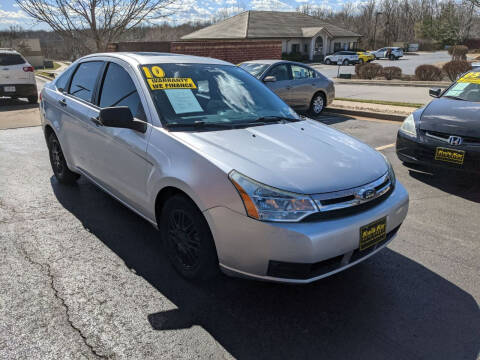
point(454, 97)
point(200, 125)
point(273, 119)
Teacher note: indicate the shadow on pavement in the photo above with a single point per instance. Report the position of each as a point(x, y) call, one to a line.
point(7, 104)
point(453, 182)
point(388, 307)
point(330, 118)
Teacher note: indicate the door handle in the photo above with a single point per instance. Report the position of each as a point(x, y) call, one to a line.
point(62, 102)
point(96, 121)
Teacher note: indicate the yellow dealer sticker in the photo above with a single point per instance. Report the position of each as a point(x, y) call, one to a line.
point(450, 155)
point(157, 81)
point(471, 77)
point(171, 83)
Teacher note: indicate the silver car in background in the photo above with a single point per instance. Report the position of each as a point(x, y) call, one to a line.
point(300, 86)
point(232, 177)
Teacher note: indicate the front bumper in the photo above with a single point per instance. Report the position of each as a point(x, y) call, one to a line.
point(421, 150)
point(299, 252)
point(21, 90)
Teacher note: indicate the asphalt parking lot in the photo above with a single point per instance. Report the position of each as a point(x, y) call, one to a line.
point(408, 63)
point(83, 277)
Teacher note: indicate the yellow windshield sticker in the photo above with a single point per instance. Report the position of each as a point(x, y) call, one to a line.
point(471, 77)
point(171, 83)
point(157, 81)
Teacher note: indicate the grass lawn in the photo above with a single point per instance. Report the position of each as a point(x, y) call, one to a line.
point(382, 102)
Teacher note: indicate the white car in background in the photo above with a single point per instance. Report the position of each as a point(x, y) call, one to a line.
point(392, 53)
point(17, 77)
point(342, 58)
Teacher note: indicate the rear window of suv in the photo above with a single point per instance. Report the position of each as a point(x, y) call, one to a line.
point(11, 59)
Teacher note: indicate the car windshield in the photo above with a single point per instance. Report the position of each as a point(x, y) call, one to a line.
point(466, 88)
point(254, 68)
point(193, 94)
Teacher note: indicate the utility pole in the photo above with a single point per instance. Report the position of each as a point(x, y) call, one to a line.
point(375, 30)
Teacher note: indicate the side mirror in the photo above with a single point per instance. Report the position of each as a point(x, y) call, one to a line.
point(120, 117)
point(269, 79)
point(435, 92)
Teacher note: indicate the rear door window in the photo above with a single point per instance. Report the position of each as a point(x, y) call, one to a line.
point(301, 72)
point(118, 89)
point(84, 80)
point(11, 59)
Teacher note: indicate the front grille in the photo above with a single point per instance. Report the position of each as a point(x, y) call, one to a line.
point(467, 140)
point(302, 271)
point(350, 201)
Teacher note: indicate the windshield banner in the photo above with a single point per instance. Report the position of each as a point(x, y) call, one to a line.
point(472, 77)
point(157, 81)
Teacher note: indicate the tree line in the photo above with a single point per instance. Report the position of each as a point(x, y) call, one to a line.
point(432, 23)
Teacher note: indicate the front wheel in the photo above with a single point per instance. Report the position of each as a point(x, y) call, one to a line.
point(345, 62)
point(392, 57)
point(317, 105)
point(187, 239)
point(59, 166)
point(328, 61)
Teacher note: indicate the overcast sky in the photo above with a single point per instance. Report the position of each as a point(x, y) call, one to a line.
point(188, 10)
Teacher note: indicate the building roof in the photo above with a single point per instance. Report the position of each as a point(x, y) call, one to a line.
point(266, 25)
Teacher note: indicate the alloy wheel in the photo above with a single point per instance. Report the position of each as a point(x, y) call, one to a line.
point(318, 104)
point(183, 239)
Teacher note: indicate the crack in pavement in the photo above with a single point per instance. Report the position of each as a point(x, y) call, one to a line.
point(57, 295)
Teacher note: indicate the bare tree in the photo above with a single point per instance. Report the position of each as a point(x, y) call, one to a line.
point(96, 22)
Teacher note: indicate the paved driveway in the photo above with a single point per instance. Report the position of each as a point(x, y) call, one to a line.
point(83, 277)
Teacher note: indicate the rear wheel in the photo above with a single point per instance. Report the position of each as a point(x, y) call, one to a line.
point(59, 166)
point(328, 61)
point(187, 239)
point(360, 61)
point(317, 104)
point(345, 62)
point(392, 57)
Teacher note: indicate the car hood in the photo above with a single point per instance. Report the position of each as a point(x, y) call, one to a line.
point(303, 157)
point(451, 116)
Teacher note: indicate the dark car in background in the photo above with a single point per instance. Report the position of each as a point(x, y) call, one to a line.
point(300, 86)
point(446, 132)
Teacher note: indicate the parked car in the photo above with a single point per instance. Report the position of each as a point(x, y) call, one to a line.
point(392, 53)
point(17, 78)
point(232, 177)
point(365, 57)
point(342, 58)
point(446, 132)
point(300, 86)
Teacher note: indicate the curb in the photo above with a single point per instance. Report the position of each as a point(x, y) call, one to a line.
point(45, 77)
point(442, 84)
point(365, 113)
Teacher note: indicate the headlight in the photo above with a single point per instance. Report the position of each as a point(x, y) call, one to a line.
point(408, 126)
point(266, 203)
point(391, 173)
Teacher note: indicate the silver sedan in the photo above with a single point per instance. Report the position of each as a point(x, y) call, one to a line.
point(300, 86)
point(232, 177)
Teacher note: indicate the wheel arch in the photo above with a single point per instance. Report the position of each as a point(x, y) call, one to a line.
point(164, 194)
point(47, 131)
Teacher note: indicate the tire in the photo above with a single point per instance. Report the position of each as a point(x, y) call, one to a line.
point(317, 104)
point(328, 62)
point(360, 61)
point(33, 99)
point(345, 62)
point(187, 239)
point(391, 57)
point(59, 166)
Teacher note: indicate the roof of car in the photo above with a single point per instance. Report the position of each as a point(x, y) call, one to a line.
point(273, 61)
point(8, 51)
point(157, 57)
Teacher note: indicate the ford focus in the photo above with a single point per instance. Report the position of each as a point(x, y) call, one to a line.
point(231, 176)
